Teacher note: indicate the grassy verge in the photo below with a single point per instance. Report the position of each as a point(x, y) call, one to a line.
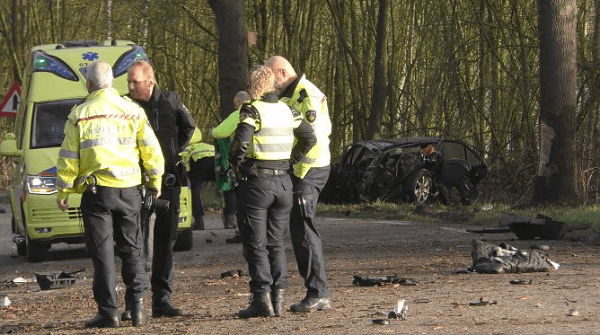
point(581, 223)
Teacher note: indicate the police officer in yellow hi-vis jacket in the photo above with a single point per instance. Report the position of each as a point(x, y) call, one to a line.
point(106, 137)
point(222, 135)
point(199, 160)
point(261, 151)
point(310, 177)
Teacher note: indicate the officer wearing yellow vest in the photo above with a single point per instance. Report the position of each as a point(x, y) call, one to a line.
point(199, 160)
point(222, 134)
point(261, 151)
point(106, 137)
point(310, 177)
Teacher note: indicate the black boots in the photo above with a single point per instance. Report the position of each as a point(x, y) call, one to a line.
point(100, 321)
point(309, 304)
point(138, 313)
point(199, 223)
point(135, 312)
point(260, 305)
point(277, 300)
point(165, 308)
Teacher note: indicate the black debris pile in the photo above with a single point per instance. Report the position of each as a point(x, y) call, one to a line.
point(504, 258)
point(232, 273)
point(56, 280)
point(383, 280)
point(541, 226)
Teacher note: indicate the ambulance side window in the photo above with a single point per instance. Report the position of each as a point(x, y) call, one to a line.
point(48, 124)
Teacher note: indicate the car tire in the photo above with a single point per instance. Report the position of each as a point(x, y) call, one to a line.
point(21, 247)
point(36, 251)
point(185, 240)
point(418, 186)
point(20, 242)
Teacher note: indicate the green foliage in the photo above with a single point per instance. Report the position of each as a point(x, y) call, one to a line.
point(459, 69)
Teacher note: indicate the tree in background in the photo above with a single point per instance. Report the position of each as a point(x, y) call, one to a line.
point(233, 50)
point(555, 180)
point(380, 81)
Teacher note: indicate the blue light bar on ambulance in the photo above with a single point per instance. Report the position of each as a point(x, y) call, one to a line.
point(122, 64)
point(43, 62)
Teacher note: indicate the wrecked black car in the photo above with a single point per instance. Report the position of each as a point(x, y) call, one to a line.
point(416, 170)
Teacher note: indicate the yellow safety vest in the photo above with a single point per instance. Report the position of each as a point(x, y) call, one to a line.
point(274, 131)
point(106, 136)
point(312, 103)
point(196, 151)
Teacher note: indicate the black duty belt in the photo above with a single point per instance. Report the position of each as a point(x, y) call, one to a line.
point(270, 172)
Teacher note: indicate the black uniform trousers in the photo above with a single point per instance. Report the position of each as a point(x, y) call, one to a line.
point(203, 170)
point(165, 236)
point(114, 212)
point(308, 247)
point(264, 207)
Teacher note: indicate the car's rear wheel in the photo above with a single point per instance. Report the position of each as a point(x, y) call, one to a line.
point(418, 186)
point(185, 240)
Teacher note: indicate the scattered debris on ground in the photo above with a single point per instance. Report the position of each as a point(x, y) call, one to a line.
point(539, 227)
point(504, 258)
point(379, 281)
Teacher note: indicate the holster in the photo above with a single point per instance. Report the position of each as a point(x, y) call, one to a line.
point(246, 171)
point(301, 203)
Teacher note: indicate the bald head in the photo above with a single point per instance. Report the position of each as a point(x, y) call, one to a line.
point(140, 80)
point(240, 98)
point(283, 71)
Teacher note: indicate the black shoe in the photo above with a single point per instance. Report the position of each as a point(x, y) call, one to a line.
point(309, 304)
point(126, 315)
point(235, 239)
point(230, 221)
point(100, 321)
point(199, 223)
point(165, 309)
point(260, 305)
point(138, 313)
point(277, 300)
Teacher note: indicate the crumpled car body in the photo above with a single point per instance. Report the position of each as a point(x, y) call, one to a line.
point(416, 170)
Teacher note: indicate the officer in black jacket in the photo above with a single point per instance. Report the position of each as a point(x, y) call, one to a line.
point(174, 126)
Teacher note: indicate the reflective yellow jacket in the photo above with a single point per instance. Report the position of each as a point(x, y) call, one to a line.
point(106, 136)
point(312, 103)
point(274, 131)
point(196, 150)
point(227, 127)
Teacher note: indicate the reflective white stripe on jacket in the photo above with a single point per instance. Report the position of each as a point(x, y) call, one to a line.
point(106, 136)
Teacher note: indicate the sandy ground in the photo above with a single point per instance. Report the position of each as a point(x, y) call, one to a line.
point(566, 301)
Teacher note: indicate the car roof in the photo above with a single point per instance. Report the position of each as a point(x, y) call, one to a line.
point(379, 145)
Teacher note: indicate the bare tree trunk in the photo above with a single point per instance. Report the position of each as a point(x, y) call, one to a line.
point(555, 180)
point(232, 51)
point(64, 21)
point(107, 21)
point(145, 10)
point(380, 80)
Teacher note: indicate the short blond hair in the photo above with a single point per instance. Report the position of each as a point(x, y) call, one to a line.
point(262, 81)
